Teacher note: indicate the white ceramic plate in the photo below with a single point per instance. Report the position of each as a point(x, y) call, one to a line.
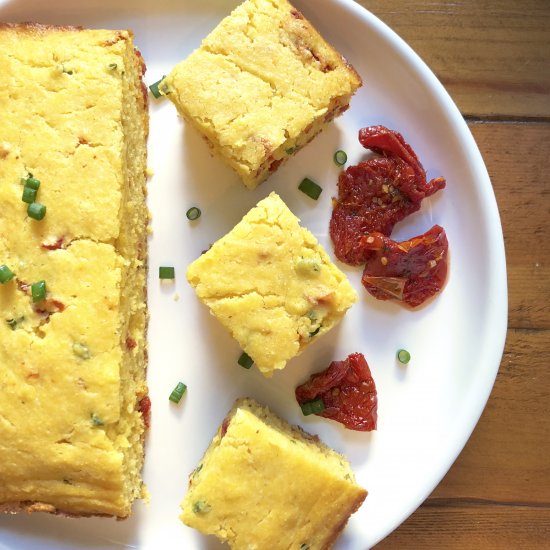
point(428, 409)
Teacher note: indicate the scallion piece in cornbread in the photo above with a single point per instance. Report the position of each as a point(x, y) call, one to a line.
point(262, 84)
point(271, 284)
point(71, 386)
point(265, 484)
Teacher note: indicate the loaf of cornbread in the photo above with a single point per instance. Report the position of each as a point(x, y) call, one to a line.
point(265, 484)
point(74, 405)
point(261, 85)
point(271, 284)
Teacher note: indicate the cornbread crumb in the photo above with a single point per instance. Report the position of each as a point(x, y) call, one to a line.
point(265, 484)
point(262, 84)
point(72, 367)
point(271, 284)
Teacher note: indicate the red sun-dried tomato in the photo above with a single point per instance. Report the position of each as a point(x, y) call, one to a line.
point(348, 393)
point(409, 271)
point(144, 408)
point(377, 193)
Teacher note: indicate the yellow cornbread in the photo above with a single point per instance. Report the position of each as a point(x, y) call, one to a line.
point(72, 367)
point(264, 484)
point(261, 85)
point(271, 284)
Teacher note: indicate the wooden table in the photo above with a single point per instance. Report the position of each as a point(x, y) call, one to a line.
point(493, 56)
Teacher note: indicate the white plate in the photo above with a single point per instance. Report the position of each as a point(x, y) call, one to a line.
point(428, 409)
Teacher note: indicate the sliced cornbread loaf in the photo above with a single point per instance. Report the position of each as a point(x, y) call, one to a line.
point(271, 284)
point(74, 400)
point(265, 484)
point(261, 86)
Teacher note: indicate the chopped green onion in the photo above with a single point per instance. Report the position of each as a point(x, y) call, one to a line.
point(96, 421)
point(38, 291)
point(81, 350)
point(340, 158)
point(6, 274)
point(193, 213)
point(290, 150)
point(167, 272)
point(36, 210)
point(177, 392)
point(29, 195)
point(31, 183)
point(112, 66)
point(310, 188)
point(312, 407)
point(403, 356)
point(304, 546)
point(245, 360)
point(315, 332)
point(12, 323)
point(201, 507)
point(155, 87)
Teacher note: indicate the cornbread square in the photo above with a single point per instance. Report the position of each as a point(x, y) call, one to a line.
point(271, 284)
point(261, 86)
point(74, 405)
point(265, 484)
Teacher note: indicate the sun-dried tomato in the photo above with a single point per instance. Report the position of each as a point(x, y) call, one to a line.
point(144, 408)
point(409, 271)
point(348, 393)
point(377, 193)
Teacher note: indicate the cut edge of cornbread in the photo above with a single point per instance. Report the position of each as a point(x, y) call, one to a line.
point(282, 438)
point(301, 41)
point(128, 433)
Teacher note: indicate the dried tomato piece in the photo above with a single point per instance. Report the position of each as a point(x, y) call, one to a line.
point(409, 271)
point(377, 193)
point(144, 407)
point(348, 393)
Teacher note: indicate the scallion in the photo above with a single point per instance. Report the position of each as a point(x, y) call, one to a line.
point(245, 360)
point(38, 291)
point(340, 158)
point(310, 188)
point(36, 210)
point(29, 195)
point(312, 407)
point(193, 213)
point(6, 274)
point(155, 87)
point(403, 356)
point(177, 392)
point(167, 272)
point(31, 183)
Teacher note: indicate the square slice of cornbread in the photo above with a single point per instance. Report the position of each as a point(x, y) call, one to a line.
point(74, 405)
point(271, 284)
point(265, 484)
point(260, 86)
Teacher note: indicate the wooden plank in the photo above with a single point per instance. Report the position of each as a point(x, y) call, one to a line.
point(490, 527)
point(491, 56)
point(507, 457)
point(516, 156)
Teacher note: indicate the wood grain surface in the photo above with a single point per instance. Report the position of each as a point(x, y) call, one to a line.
point(494, 59)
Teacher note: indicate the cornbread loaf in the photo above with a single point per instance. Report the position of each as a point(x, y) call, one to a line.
point(265, 484)
point(261, 85)
point(271, 284)
point(74, 405)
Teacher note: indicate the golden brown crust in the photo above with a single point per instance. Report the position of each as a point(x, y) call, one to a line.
point(31, 507)
point(38, 28)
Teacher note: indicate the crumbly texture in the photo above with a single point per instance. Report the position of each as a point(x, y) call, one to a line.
point(265, 484)
point(261, 86)
point(72, 367)
point(272, 285)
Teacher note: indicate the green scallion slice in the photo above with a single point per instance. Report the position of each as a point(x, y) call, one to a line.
point(312, 407)
point(193, 213)
point(36, 210)
point(31, 183)
point(167, 272)
point(177, 392)
point(96, 420)
point(155, 87)
point(310, 188)
point(29, 195)
point(403, 356)
point(6, 274)
point(245, 360)
point(38, 291)
point(340, 158)
point(12, 323)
